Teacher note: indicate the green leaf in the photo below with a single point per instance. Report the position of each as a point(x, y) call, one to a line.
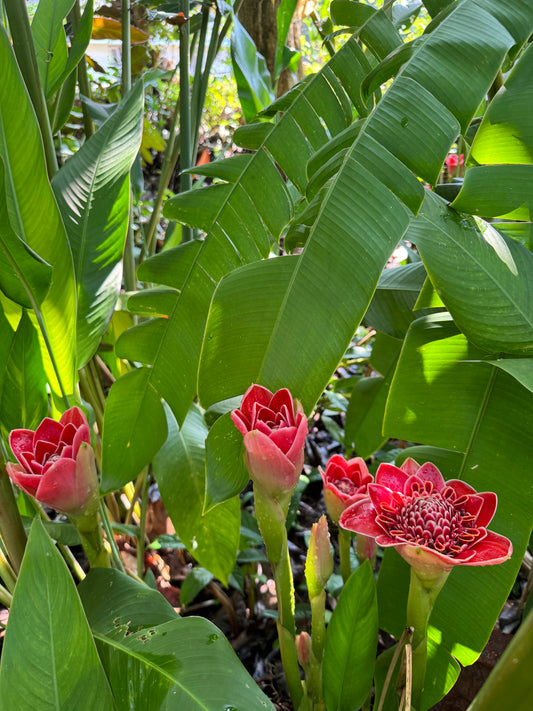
point(179, 469)
point(226, 472)
point(49, 658)
point(25, 176)
point(182, 664)
point(497, 191)
point(194, 583)
point(251, 73)
point(24, 277)
point(373, 26)
point(477, 410)
point(509, 682)
point(484, 279)
point(519, 368)
point(112, 600)
point(93, 193)
point(131, 436)
point(171, 266)
point(49, 40)
point(79, 44)
point(23, 397)
point(351, 643)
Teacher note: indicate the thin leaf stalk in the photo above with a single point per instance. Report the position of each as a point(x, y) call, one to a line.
point(141, 537)
point(83, 77)
point(345, 548)
point(11, 528)
point(6, 598)
point(7, 573)
point(185, 111)
point(19, 25)
point(115, 553)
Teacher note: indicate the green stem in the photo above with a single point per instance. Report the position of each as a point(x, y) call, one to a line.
point(424, 587)
point(71, 561)
point(115, 553)
point(185, 113)
point(83, 78)
point(142, 523)
point(11, 528)
point(345, 547)
point(7, 573)
point(19, 25)
point(271, 516)
point(6, 598)
point(318, 636)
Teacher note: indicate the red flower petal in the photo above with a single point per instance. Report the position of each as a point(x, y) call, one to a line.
point(282, 398)
point(269, 467)
point(461, 487)
point(21, 442)
point(68, 433)
point(429, 472)
point(75, 416)
point(392, 477)
point(255, 393)
point(283, 438)
point(361, 518)
point(492, 549)
point(49, 430)
point(240, 421)
point(410, 467)
point(60, 489)
point(296, 452)
point(83, 434)
point(381, 495)
point(44, 449)
point(26, 482)
point(488, 509)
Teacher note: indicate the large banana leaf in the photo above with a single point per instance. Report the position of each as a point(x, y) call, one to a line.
point(49, 40)
point(35, 218)
point(93, 193)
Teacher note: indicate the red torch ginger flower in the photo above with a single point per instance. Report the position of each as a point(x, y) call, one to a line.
point(433, 524)
point(56, 463)
point(345, 482)
point(274, 428)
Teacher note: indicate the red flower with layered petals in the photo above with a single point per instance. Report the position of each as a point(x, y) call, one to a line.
point(345, 482)
point(430, 522)
point(56, 463)
point(274, 428)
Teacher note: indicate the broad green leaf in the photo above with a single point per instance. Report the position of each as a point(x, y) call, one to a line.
point(497, 191)
point(49, 40)
point(60, 106)
point(182, 664)
point(519, 368)
point(179, 469)
point(23, 397)
point(193, 584)
point(153, 302)
point(171, 266)
point(113, 600)
point(373, 26)
point(25, 175)
point(131, 435)
point(79, 44)
point(226, 473)
point(251, 73)
point(484, 279)
point(284, 15)
point(351, 643)
point(485, 414)
point(140, 343)
point(93, 193)
point(49, 658)
point(24, 277)
point(436, 61)
point(510, 681)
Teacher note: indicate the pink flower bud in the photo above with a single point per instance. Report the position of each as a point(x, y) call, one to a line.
point(304, 649)
point(274, 428)
point(56, 464)
point(344, 483)
point(319, 562)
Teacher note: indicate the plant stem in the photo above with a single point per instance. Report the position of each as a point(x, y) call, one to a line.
point(185, 112)
point(345, 547)
point(141, 538)
point(83, 78)
point(271, 516)
point(19, 25)
point(11, 528)
point(115, 553)
point(423, 590)
point(6, 598)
